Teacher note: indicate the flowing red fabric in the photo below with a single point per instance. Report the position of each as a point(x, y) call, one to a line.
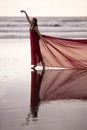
point(67, 53)
point(58, 52)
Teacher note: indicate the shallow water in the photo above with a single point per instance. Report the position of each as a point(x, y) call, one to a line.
point(54, 99)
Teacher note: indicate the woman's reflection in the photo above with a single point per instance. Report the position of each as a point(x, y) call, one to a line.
point(56, 85)
point(36, 80)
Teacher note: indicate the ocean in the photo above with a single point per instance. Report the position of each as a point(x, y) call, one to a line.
point(67, 27)
point(37, 100)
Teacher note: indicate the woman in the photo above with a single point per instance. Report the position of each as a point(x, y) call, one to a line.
point(56, 52)
point(35, 36)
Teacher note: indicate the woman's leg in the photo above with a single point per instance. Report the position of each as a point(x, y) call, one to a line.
point(43, 64)
point(34, 62)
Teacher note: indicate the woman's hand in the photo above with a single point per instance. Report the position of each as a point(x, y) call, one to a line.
point(23, 11)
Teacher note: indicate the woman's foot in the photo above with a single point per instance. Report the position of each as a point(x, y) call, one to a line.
point(33, 67)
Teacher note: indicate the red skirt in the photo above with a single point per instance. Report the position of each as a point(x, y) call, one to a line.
point(35, 48)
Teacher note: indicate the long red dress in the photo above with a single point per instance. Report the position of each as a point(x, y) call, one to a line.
point(35, 48)
point(58, 52)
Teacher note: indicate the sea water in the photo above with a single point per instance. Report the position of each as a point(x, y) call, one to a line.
point(67, 27)
point(56, 99)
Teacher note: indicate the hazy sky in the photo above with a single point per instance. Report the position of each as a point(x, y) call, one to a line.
point(44, 7)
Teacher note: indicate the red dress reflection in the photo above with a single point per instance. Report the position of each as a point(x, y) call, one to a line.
point(36, 80)
point(57, 85)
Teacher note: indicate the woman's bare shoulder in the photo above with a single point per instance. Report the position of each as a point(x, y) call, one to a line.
point(34, 28)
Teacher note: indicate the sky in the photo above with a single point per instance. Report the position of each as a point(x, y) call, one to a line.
point(44, 7)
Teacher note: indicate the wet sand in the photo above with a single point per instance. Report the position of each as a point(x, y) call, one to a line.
point(45, 111)
point(14, 83)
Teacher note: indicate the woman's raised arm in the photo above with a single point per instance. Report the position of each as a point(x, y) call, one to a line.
point(22, 11)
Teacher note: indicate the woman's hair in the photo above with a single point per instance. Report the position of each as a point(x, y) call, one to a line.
point(34, 22)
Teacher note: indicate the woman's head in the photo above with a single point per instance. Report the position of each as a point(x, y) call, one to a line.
point(34, 22)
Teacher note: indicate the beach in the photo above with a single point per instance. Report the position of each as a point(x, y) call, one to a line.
point(58, 100)
point(14, 82)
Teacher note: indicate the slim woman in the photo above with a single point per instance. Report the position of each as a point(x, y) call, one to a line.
point(56, 52)
point(35, 36)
